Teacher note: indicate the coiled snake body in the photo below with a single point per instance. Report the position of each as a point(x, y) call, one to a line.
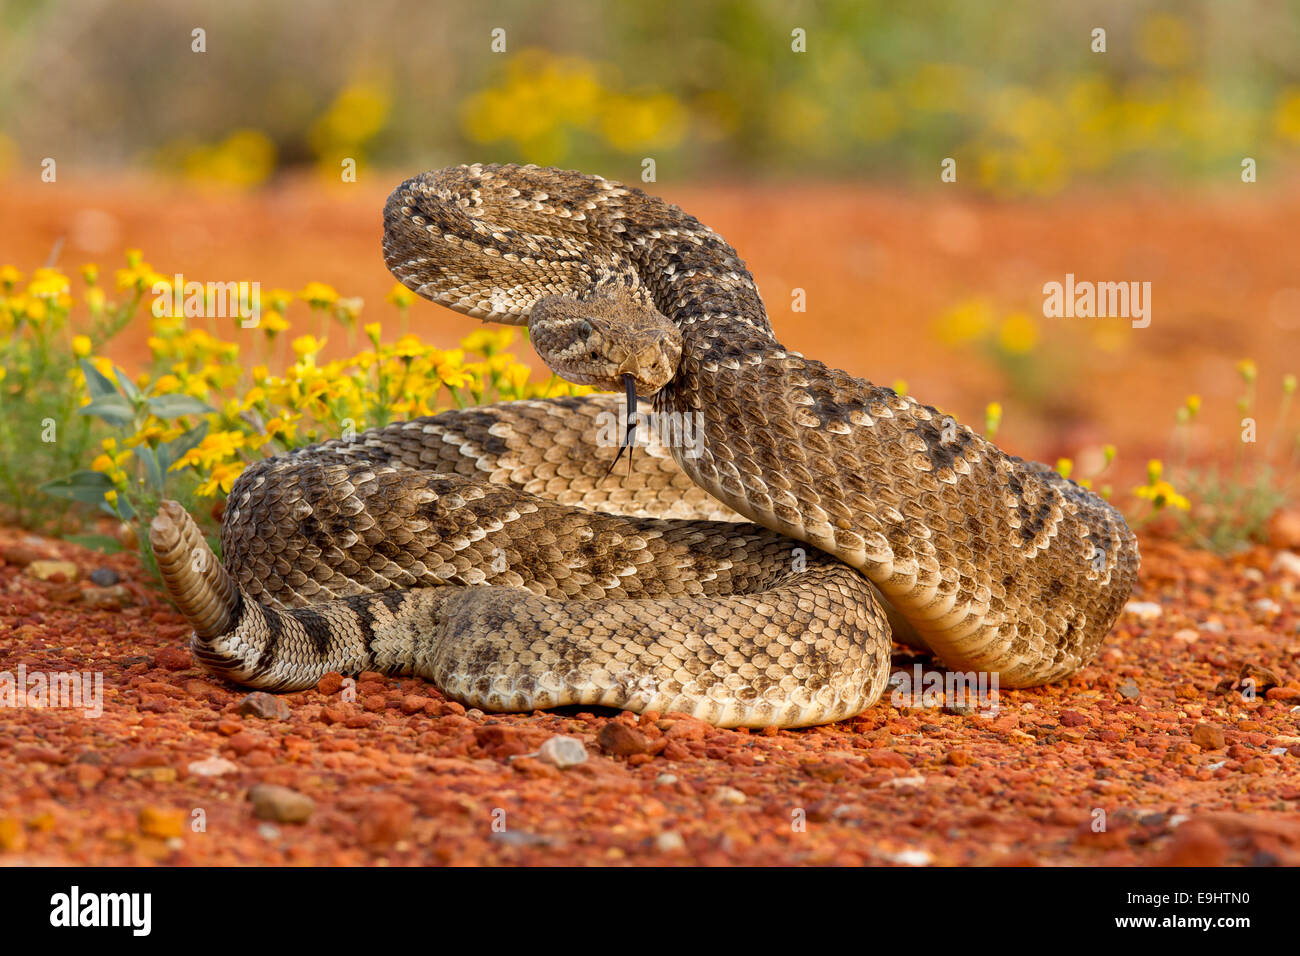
point(647, 592)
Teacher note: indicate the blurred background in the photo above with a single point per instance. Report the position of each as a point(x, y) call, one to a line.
point(820, 164)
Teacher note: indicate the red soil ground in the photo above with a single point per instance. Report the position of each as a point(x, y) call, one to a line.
point(1184, 768)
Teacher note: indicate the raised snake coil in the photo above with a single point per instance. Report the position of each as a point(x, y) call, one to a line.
point(649, 592)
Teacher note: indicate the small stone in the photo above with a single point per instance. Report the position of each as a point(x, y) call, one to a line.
point(912, 858)
point(1287, 562)
point(330, 683)
point(1144, 610)
point(916, 781)
point(106, 599)
point(244, 743)
point(1214, 626)
point(620, 740)
point(729, 795)
point(268, 831)
point(105, 577)
point(959, 758)
point(87, 776)
point(48, 570)
point(1284, 528)
point(163, 824)
point(1208, 737)
point(20, 555)
point(266, 706)
point(173, 659)
point(386, 820)
point(212, 767)
point(1260, 678)
point(1195, 844)
point(562, 752)
point(670, 842)
point(665, 779)
point(280, 804)
point(13, 837)
point(1266, 606)
point(1129, 690)
point(1070, 718)
point(1186, 636)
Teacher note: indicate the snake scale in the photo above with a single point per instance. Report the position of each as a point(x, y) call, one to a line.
point(754, 578)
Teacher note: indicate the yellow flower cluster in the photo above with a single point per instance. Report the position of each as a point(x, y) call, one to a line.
point(1159, 491)
point(260, 412)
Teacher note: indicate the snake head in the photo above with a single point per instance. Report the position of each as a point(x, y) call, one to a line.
point(606, 341)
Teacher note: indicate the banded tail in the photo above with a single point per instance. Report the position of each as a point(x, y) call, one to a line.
point(198, 585)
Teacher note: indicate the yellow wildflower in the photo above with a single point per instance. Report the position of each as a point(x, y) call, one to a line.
point(318, 295)
point(1018, 334)
point(273, 323)
point(9, 277)
point(307, 346)
point(1160, 494)
point(349, 310)
point(992, 418)
point(214, 449)
point(1247, 370)
point(150, 435)
point(965, 322)
point(1064, 466)
point(407, 347)
point(488, 342)
point(220, 480)
point(400, 296)
point(81, 345)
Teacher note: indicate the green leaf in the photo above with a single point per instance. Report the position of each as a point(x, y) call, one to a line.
point(174, 406)
point(146, 455)
point(128, 387)
point(87, 486)
point(96, 382)
point(103, 543)
point(173, 451)
point(113, 409)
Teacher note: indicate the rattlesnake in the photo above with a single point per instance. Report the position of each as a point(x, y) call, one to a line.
point(872, 512)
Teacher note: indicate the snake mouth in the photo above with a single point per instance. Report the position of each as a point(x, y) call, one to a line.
point(629, 436)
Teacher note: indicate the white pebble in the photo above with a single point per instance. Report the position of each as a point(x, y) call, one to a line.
point(669, 842)
point(1288, 562)
point(913, 858)
point(562, 752)
point(1146, 610)
point(905, 782)
point(212, 767)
